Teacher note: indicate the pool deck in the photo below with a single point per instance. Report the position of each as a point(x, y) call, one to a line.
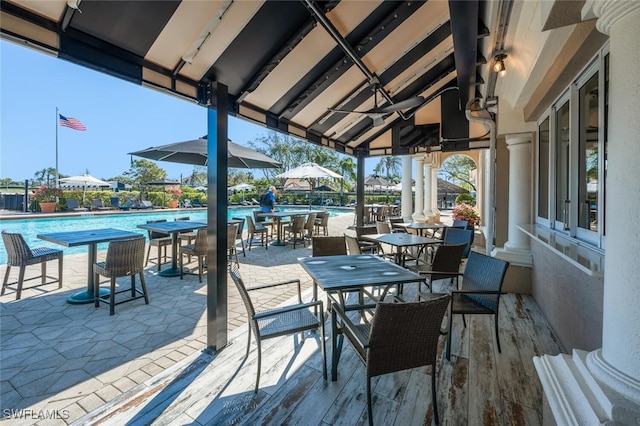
point(71, 359)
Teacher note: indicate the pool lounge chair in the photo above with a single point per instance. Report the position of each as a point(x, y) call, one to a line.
point(73, 206)
point(96, 204)
point(197, 203)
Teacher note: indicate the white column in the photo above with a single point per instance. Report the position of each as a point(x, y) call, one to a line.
point(407, 195)
point(434, 193)
point(418, 214)
point(428, 213)
point(603, 386)
point(517, 250)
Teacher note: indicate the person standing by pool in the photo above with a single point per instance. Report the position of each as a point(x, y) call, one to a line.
point(268, 200)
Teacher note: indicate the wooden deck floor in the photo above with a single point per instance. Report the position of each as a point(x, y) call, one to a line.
point(478, 386)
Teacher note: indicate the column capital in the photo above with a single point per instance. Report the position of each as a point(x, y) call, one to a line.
point(608, 12)
point(518, 139)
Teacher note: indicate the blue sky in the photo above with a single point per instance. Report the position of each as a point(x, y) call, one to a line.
point(120, 117)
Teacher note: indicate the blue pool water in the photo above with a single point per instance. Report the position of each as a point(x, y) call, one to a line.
point(127, 221)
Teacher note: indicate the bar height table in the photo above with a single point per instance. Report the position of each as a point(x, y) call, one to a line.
point(173, 228)
point(90, 237)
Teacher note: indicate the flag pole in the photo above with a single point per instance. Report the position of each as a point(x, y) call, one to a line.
point(57, 180)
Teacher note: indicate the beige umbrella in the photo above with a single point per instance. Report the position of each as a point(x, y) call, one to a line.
point(83, 181)
point(309, 171)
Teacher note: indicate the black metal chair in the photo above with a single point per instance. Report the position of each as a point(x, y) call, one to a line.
point(124, 258)
point(445, 264)
point(399, 337)
point(454, 236)
point(232, 251)
point(19, 254)
point(480, 293)
point(281, 321)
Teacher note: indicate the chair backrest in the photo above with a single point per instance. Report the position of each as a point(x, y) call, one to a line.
point(244, 294)
point(484, 273)
point(258, 219)
point(405, 335)
point(460, 223)
point(310, 223)
point(125, 257)
point(187, 204)
point(298, 223)
point(325, 220)
point(393, 220)
point(365, 230)
point(115, 202)
point(383, 227)
point(232, 234)
point(328, 246)
point(240, 225)
point(18, 251)
point(352, 244)
point(153, 234)
point(251, 227)
point(200, 245)
point(96, 202)
point(182, 218)
point(72, 203)
point(459, 236)
point(447, 259)
point(146, 203)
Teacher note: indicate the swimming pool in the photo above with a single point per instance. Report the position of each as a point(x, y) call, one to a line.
point(126, 221)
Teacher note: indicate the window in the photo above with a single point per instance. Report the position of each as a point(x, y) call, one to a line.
point(588, 162)
point(543, 169)
point(572, 157)
point(562, 166)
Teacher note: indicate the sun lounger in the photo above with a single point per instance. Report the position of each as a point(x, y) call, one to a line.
point(96, 204)
point(73, 206)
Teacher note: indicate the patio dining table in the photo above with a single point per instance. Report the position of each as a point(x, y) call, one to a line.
point(420, 227)
point(337, 275)
point(402, 241)
point(173, 228)
point(90, 237)
point(278, 215)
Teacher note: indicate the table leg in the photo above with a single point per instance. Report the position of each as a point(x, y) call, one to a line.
point(174, 271)
point(279, 241)
point(88, 296)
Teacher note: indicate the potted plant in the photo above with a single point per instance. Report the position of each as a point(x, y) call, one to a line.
point(46, 198)
point(175, 192)
point(466, 212)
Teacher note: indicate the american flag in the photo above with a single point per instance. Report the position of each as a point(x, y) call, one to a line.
point(71, 123)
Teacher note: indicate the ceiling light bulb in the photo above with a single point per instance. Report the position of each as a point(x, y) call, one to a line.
point(502, 73)
point(498, 66)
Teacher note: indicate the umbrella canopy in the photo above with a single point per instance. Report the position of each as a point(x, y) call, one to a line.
point(241, 187)
point(162, 182)
point(309, 171)
point(195, 152)
point(375, 180)
point(83, 181)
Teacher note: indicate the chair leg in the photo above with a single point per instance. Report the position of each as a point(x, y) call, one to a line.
point(181, 272)
point(133, 286)
point(259, 364)
point(143, 284)
point(248, 343)
point(369, 408)
point(112, 297)
point(20, 281)
point(43, 270)
point(200, 269)
point(249, 240)
point(60, 268)
point(96, 290)
point(433, 394)
point(497, 335)
point(159, 258)
point(148, 252)
point(449, 334)
point(6, 278)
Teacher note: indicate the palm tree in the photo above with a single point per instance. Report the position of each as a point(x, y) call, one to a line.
point(390, 166)
point(348, 168)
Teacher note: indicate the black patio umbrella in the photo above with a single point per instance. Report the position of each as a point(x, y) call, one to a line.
point(195, 152)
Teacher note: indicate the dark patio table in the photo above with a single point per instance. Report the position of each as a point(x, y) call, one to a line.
point(401, 240)
point(339, 274)
point(173, 228)
point(420, 227)
point(278, 215)
point(90, 237)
